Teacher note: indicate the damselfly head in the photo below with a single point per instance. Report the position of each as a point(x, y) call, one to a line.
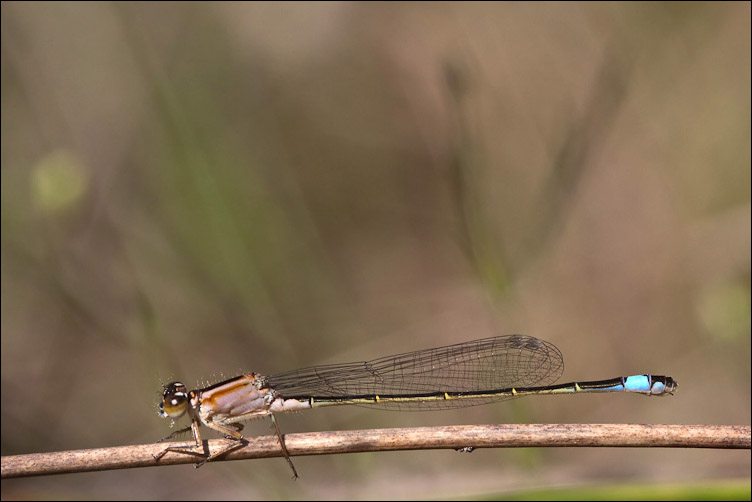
point(174, 400)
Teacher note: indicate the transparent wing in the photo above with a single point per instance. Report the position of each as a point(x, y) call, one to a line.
point(489, 364)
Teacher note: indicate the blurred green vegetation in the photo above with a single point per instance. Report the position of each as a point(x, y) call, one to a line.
point(687, 491)
point(191, 190)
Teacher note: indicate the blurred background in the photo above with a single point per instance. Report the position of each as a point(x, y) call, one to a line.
point(195, 190)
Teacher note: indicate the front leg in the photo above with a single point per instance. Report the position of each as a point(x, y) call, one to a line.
point(174, 434)
point(187, 449)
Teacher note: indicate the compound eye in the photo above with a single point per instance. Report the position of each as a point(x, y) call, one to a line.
point(174, 400)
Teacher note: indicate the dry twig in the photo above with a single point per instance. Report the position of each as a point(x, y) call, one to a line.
point(465, 437)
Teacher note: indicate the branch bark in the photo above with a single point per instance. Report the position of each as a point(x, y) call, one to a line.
point(465, 437)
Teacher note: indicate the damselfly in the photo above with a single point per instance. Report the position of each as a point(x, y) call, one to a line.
point(464, 374)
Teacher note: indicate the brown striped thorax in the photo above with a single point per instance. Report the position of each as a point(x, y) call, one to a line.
point(241, 398)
